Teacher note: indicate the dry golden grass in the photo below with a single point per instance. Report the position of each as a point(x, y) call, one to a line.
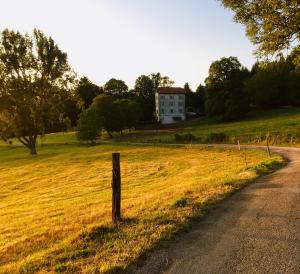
point(55, 207)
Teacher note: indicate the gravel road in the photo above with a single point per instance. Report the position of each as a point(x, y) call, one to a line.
point(257, 230)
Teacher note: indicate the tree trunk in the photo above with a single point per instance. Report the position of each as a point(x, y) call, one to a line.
point(30, 143)
point(33, 149)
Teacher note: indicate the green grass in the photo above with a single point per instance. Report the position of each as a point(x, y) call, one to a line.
point(55, 207)
point(282, 125)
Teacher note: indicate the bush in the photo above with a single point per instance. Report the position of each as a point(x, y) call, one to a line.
point(219, 137)
point(184, 138)
point(182, 202)
point(89, 125)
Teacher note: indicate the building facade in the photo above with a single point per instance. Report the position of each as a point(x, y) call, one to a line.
point(170, 105)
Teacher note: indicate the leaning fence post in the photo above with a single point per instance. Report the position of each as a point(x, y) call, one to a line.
point(116, 188)
point(239, 145)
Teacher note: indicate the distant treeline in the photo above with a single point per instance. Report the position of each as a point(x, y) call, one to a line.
point(230, 92)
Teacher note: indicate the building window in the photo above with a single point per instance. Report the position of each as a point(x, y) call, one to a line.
point(171, 110)
point(171, 97)
point(162, 97)
point(180, 110)
point(180, 104)
point(162, 103)
point(171, 104)
point(180, 97)
point(162, 111)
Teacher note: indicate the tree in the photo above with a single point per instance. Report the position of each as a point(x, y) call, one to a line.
point(195, 100)
point(225, 93)
point(132, 110)
point(115, 87)
point(160, 81)
point(271, 85)
point(72, 109)
point(87, 91)
point(144, 87)
point(115, 114)
point(35, 80)
point(187, 88)
point(271, 25)
point(145, 90)
point(89, 125)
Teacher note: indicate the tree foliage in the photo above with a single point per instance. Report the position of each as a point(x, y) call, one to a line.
point(225, 92)
point(115, 87)
point(194, 101)
point(145, 88)
point(160, 81)
point(35, 80)
point(89, 125)
point(115, 114)
point(274, 84)
point(271, 25)
point(87, 91)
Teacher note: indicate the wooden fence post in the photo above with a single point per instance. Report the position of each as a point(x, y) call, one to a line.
point(268, 148)
point(116, 188)
point(239, 145)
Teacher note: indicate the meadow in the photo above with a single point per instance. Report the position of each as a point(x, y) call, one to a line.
point(55, 208)
point(282, 126)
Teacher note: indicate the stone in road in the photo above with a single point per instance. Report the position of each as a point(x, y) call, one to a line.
point(257, 230)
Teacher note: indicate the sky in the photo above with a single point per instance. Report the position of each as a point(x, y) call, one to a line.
point(124, 39)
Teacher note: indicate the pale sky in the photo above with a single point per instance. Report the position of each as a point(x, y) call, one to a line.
point(127, 38)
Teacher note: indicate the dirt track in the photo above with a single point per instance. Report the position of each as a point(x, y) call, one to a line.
point(257, 230)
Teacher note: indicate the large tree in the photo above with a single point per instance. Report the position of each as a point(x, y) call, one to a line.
point(225, 92)
point(145, 88)
point(272, 25)
point(87, 91)
point(115, 87)
point(35, 80)
point(145, 91)
point(115, 115)
point(161, 81)
point(194, 101)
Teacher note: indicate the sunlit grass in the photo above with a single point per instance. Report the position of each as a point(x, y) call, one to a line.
point(55, 207)
point(283, 125)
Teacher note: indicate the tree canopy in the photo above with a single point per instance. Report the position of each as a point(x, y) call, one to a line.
point(115, 114)
point(115, 87)
point(35, 80)
point(271, 25)
point(144, 87)
point(87, 91)
point(225, 92)
point(160, 81)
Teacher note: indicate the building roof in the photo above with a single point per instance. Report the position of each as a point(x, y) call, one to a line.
point(171, 90)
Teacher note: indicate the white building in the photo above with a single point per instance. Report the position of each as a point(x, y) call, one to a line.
point(170, 105)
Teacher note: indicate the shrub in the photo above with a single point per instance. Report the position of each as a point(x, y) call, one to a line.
point(218, 137)
point(184, 138)
point(182, 202)
point(89, 125)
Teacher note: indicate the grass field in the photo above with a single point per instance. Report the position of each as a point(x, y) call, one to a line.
point(55, 207)
point(282, 126)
